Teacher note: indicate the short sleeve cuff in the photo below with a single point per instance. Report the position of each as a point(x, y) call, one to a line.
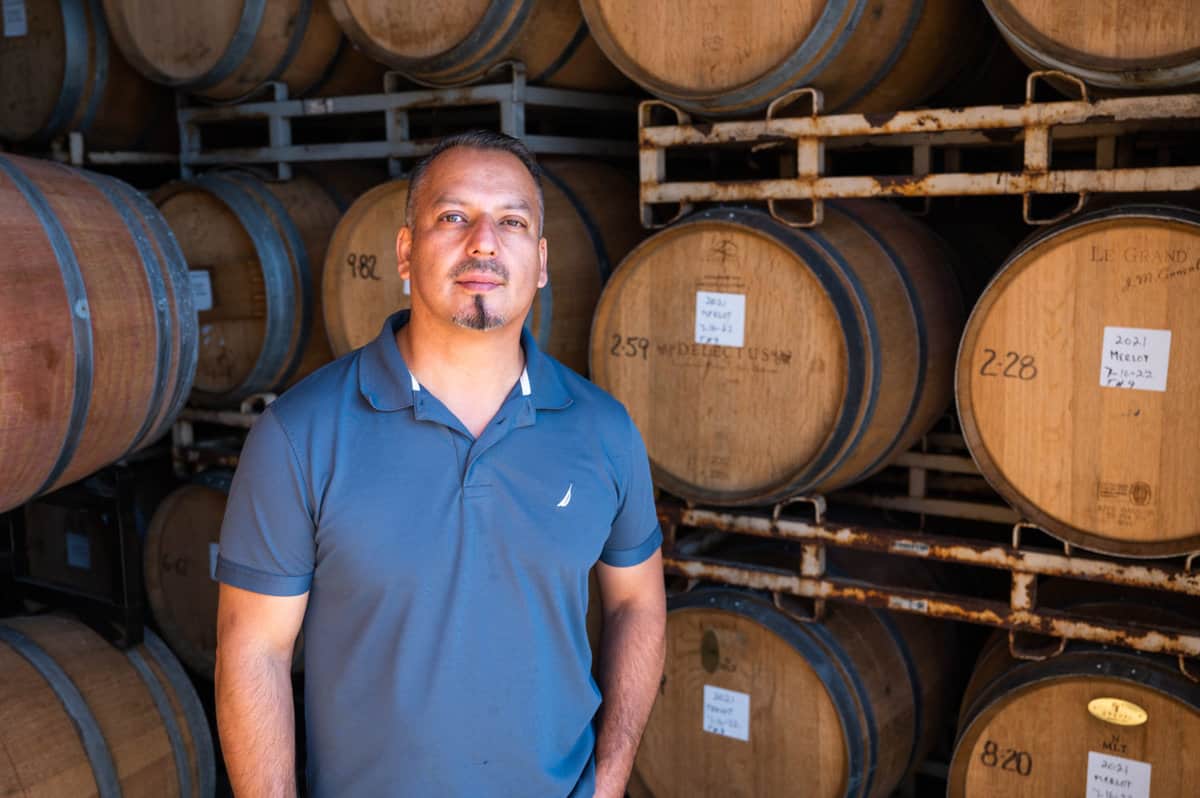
point(623, 558)
point(260, 581)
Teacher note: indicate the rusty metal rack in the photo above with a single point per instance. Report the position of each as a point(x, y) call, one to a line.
point(1034, 126)
point(513, 98)
point(685, 556)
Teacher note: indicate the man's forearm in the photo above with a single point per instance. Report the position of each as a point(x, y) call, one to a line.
point(256, 722)
point(631, 665)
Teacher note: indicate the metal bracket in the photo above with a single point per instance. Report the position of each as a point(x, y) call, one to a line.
point(817, 502)
point(815, 615)
point(810, 156)
point(1019, 652)
point(652, 162)
point(1047, 75)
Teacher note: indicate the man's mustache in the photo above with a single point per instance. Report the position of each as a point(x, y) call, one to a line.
point(478, 265)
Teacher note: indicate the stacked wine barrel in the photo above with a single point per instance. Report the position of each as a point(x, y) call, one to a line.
point(98, 334)
point(756, 703)
point(760, 361)
point(1077, 380)
point(255, 251)
point(60, 72)
point(97, 721)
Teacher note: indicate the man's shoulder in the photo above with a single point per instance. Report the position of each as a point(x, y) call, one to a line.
point(312, 398)
point(592, 401)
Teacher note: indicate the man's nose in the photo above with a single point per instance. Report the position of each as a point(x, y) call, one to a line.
point(483, 241)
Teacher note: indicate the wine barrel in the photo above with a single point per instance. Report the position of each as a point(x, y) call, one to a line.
point(97, 327)
point(454, 43)
point(722, 59)
point(255, 250)
point(1088, 719)
point(1077, 381)
point(1123, 46)
point(179, 567)
point(760, 361)
point(755, 703)
point(591, 222)
point(60, 72)
point(83, 718)
point(226, 49)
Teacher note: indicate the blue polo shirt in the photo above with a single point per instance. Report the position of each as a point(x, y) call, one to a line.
point(446, 652)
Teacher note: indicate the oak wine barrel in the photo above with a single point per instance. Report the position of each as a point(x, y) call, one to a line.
point(83, 718)
point(452, 43)
point(760, 361)
point(255, 250)
point(755, 703)
point(1078, 375)
point(721, 59)
point(179, 566)
point(226, 49)
point(1117, 47)
point(591, 222)
point(60, 72)
point(1088, 719)
point(98, 330)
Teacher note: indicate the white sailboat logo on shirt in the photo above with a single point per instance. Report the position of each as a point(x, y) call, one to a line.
point(566, 499)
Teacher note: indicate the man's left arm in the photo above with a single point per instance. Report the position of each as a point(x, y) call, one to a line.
point(630, 665)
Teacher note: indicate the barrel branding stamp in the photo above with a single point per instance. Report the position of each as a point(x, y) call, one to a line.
point(1118, 711)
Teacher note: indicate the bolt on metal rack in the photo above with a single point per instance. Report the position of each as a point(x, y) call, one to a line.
point(514, 99)
point(1021, 614)
point(1031, 124)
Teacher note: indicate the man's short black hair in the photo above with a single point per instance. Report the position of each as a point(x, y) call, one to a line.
point(476, 140)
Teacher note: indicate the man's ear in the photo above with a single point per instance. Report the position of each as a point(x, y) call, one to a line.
point(403, 251)
point(543, 275)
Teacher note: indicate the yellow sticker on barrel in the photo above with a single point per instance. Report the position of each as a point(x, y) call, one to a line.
point(1118, 711)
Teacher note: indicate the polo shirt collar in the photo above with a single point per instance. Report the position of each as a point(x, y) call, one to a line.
point(387, 385)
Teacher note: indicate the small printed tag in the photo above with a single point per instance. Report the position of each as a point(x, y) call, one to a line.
point(720, 318)
point(15, 22)
point(1135, 358)
point(727, 713)
point(1111, 776)
point(79, 551)
point(202, 294)
point(214, 551)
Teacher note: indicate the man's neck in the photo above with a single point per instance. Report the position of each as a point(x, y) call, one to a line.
point(470, 371)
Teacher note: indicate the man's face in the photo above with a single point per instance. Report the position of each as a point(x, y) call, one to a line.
point(473, 252)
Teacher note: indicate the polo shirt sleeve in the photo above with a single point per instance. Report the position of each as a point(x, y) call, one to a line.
point(635, 531)
point(268, 540)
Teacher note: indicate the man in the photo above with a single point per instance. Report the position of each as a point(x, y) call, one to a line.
point(430, 506)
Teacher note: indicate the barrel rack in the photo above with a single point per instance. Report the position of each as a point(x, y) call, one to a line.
point(808, 137)
point(684, 555)
point(515, 101)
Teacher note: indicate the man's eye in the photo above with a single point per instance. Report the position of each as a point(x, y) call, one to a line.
point(514, 222)
point(452, 217)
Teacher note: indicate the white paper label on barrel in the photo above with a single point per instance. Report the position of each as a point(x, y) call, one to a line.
point(720, 318)
point(727, 712)
point(15, 23)
point(1111, 776)
point(214, 550)
point(79, 551)
point(1134, 358)
point(201, 289)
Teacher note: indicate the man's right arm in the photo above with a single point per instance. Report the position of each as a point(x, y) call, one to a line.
point(256, 634)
